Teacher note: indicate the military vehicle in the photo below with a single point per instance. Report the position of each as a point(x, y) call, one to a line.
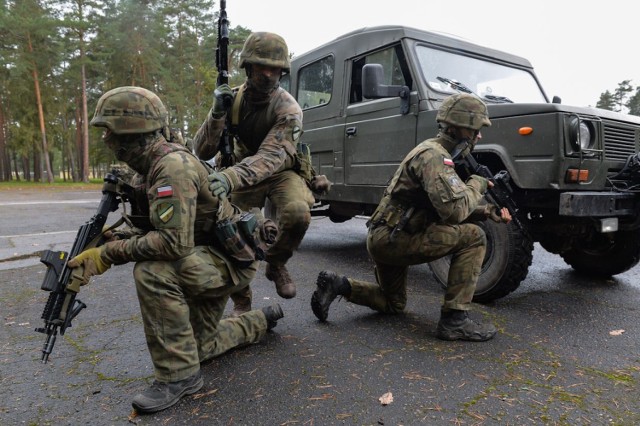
point(371, 95)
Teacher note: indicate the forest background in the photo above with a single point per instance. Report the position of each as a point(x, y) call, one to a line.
point(57, 57)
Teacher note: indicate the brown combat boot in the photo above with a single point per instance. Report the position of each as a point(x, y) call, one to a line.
point(241, 302)
point(285, 287)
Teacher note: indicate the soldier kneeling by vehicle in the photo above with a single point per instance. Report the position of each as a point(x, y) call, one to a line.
point(420, 219)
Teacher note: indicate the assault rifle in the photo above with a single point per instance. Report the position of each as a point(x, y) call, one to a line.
point(62, 306)
point(501, 193)
point(222, 64)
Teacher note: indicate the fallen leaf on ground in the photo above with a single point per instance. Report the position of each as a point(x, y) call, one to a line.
point(386, 399)
point(616, 332)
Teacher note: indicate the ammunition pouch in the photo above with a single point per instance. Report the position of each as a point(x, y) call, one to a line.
point(319, 184)
point(246, 238)
point(303, 163)
point(391, 212)
point(388, 213)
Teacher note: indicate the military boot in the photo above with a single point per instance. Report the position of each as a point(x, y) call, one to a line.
point(329, 286)
point(272, 313)
point(163, 395)
point(456, 325)
point(285, 287)
point(241, 302)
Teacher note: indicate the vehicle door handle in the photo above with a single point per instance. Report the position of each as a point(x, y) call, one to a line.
point(351, 131)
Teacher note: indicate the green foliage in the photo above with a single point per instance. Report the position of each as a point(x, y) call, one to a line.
point(621, 99)
point(167, 46)
point(606, 101)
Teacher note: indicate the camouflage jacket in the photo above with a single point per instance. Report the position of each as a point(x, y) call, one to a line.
point(265, 139)
point(426, 180)
point(179, 205)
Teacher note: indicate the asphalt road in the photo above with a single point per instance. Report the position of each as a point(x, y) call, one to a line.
point(567, 350)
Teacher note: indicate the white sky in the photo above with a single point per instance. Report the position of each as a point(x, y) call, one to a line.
point(578, 48)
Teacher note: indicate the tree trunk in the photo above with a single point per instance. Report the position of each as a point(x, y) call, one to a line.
point(43, 132)
point(5, 161)
point(37, 166)
point(15, 166)
point(85, 126)
point(26, 171)
point(80, 149)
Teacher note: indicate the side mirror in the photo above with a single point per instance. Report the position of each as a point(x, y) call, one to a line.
point(373, 88)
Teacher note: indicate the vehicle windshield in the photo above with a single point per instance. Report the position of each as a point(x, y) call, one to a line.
point(450, 73)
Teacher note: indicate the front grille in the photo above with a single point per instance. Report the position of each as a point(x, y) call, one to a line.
point(620, 140)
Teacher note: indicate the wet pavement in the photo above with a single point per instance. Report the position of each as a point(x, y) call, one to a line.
point(566, 353)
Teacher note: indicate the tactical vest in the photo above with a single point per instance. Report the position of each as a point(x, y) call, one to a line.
point(391, 210)
point(302, 165)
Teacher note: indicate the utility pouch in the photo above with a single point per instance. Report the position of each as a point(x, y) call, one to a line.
point(247, 225)
point(234, 244)
point(304, 166)
point(387, 214)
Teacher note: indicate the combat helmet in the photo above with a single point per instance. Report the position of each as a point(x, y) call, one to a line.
point(463, 110)
point(131, 109)
point(266, 49)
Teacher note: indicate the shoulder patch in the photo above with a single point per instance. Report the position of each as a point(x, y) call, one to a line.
point(296, 131)
point(448, 162)
point(165, 212)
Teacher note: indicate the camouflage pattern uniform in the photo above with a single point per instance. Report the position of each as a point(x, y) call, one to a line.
point(265, 154)
point(266, 139)
point(427, 181)
point(420, 219)
point(183, 280)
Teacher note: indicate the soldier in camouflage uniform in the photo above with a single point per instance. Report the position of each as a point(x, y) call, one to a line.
point(266, 133)
point(183, 280)
point(426, 204)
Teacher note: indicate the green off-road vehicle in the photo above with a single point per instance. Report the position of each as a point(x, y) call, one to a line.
point(370, 96)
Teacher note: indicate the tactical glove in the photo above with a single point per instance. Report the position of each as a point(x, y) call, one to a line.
point(219, 185)
point(479, 183)
point(222, 100)
point(87, 264)
point(320, 185)
point(497, 215)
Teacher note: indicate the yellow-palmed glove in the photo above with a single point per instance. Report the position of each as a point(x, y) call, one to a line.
point(87, 264)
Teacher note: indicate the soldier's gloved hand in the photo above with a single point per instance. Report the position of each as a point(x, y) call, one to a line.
point(222, 99)
point(479, 183)
point(219, 185)
point(497, 215)
point(320, 185)
point(88, 263)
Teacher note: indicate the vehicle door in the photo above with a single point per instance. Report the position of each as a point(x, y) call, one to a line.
point(377, 135)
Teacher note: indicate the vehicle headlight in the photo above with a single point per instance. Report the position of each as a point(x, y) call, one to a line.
point(581, 134)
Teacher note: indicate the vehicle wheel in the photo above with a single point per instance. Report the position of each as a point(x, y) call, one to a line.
point(605, 254)
point(506, 262)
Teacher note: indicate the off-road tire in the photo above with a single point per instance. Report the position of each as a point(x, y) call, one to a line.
point(505, 266)
point(603, 256)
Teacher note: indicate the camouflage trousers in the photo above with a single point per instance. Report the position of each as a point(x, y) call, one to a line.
point(182, 303)
point(292, 199)
point(466, 243)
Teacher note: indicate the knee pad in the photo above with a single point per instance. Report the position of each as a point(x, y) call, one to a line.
point(295, 215)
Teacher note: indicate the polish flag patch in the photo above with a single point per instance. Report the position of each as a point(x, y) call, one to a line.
point(165, 191)
point(448, 162)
